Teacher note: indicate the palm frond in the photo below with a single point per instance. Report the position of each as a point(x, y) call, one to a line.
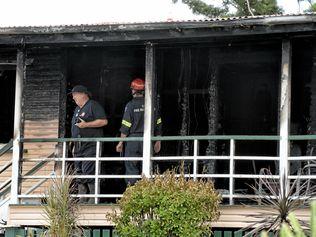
point(61, 209)
point(278, 200)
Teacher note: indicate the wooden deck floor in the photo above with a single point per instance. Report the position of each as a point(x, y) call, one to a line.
point(95, 215)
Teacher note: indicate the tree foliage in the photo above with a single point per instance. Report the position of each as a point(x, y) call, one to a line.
point(312, 5)
point(242, 7)
point(167, 206)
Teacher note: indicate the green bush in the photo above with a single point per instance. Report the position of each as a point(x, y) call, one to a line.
point(167, 206)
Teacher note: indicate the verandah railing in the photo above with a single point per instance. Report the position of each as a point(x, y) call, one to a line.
point(195, 158)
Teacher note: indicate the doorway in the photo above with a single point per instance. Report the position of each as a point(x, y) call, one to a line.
point(7, 92)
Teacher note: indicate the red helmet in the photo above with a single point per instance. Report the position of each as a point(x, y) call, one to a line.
point(138, 84)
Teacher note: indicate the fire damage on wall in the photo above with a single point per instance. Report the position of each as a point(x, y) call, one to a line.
point(227, 89)
point(215, 86)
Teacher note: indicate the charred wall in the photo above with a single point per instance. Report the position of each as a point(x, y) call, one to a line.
point(227, 89)
point(220, 90)
point(7, 55)
point(43, 90)
point(42, 84)
point(303, 103)
point(244, 78)
point(43, 110)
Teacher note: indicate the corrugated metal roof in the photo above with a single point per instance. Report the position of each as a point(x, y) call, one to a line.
point(246, 21)
point(170, 21)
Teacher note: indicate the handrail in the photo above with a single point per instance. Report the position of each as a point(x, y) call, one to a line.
point(4, 201)
point(3, 185)
point(302, 137)
point(5, 166)
point(157, 138)
point(6, 185)
point(232, 157)
point(218, 137)
point(7, 147)
point(39, 165)
point(92, 139)
point(38, 184)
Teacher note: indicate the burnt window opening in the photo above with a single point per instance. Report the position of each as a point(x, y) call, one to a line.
point(7, 92)
point(303, 100)
point(244, 80)
point(201, 89)
point(107, 73)
point(224, 90)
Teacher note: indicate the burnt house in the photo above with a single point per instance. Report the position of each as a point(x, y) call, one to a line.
point(235, 95)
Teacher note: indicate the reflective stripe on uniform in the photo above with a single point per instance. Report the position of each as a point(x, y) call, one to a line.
point(126, 123)
point(159, 121)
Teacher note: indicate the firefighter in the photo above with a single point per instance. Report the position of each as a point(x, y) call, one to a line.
point(133, 126)
point(88, 120)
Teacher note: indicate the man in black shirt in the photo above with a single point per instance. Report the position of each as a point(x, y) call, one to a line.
point(88, 121)
point(133, 126)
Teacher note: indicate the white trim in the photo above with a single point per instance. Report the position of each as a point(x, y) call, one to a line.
point(195, 159)
point(285, 110)
point(231, 171)
point(147, 147)
point(97, 171)
point(17, 127)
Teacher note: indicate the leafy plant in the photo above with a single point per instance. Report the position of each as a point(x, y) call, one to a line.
point(311, 3)
point(312, 8)
point(278, 203)
point(167, 206)
point(295, 229)
point(61, 209)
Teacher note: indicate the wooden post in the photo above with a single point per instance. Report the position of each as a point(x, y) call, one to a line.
point(285, 111)
point(17, 127)
point(148, 113)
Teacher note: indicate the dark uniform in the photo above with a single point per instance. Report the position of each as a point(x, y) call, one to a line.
point(91, 111)
point(133, 126)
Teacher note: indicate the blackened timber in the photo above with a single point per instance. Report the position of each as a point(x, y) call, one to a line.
point(242, 22)
point(6, 66)
point(63, 95)
point(154, 32)
point(311, 126)
point(8, 59)
point(43, 84)
point(183, 99)
point(8, 56)
point(212, 113)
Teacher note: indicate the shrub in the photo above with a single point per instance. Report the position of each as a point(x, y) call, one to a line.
point(277, 203)
point(295, 229)
point(167, 206)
